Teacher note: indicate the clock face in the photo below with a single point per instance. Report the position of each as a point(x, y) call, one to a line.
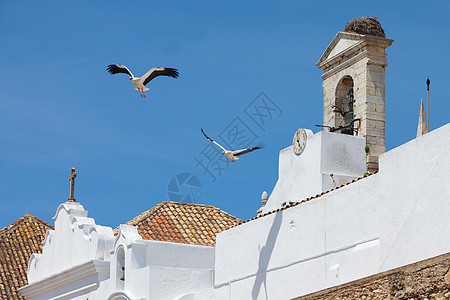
point(299, 141)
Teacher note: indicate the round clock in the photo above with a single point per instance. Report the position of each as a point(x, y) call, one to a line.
point(299, 141)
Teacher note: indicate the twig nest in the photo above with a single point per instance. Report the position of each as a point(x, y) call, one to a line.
point(366, 26)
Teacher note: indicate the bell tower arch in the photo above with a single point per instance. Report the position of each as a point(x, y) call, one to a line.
point(353, 84)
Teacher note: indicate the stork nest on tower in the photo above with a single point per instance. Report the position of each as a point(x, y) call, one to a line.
point(366, 26)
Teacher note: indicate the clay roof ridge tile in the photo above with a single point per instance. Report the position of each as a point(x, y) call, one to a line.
point(23, 220)
point(305, 200)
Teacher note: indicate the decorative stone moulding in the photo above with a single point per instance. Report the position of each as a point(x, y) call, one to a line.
point(75, 240)
point(86, 272)
point(127, 235)
point(337, 59)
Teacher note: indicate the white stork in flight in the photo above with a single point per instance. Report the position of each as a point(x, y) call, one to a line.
point(232, 154)
point(141, 82)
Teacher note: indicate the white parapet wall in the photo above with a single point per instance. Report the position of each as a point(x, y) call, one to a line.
point(415, 199)
point(328, 160)
point(395, 217)
point(75, 240)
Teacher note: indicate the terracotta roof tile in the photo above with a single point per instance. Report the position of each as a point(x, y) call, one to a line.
point(17, 242)
point(183, 223)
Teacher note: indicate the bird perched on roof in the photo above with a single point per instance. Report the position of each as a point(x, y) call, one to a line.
point(141, 82)
point(232, 154)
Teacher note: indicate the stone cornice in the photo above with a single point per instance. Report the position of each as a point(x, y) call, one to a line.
point(66, 277)
point(365, 40)
point(374, 58)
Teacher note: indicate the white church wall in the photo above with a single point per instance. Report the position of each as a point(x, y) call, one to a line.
point(82, 260)
point(395, 217)
point(180, 255)
point(75, 240)
point(308, 174)
point(297, 246)
point(74, 283)
point(160, 270)
point(162, 281)
point(342, 154)
point(415, 199)
point(170, 269)
point(298, 175)
point(282, 284)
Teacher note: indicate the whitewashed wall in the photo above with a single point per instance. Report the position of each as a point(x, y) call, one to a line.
point(82, 260)
point(308, 174)
point(415, 199)
point(395, 217)
point(75, 240)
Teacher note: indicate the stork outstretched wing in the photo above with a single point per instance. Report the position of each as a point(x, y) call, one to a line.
point(116, 69)
point(213, 140)
point(155, 72)
point(244, 151)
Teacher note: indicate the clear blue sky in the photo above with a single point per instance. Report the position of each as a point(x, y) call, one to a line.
point(59, 108)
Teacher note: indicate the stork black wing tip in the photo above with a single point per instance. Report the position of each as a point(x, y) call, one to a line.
point(206, 135)
point(111, 68)
point(174, 73)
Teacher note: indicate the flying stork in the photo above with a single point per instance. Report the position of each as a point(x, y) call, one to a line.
point(232, 154)
point(141, 82)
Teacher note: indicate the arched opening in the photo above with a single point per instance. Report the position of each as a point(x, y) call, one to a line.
point(120, 268)
point(119, 296)
point(343, 106)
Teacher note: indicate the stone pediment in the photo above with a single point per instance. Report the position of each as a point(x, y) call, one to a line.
point(350, 44)
point(341, 42)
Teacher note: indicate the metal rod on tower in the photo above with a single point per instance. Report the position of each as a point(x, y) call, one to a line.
point(428, 103)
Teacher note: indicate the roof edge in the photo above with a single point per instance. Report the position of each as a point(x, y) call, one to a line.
point(154, 209)
point(362, 38)
point(21, 219)
point(292, 204)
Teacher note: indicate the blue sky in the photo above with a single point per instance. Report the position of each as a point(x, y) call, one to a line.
point(59, 108)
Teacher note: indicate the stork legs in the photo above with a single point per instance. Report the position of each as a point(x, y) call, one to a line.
point(142, 93)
